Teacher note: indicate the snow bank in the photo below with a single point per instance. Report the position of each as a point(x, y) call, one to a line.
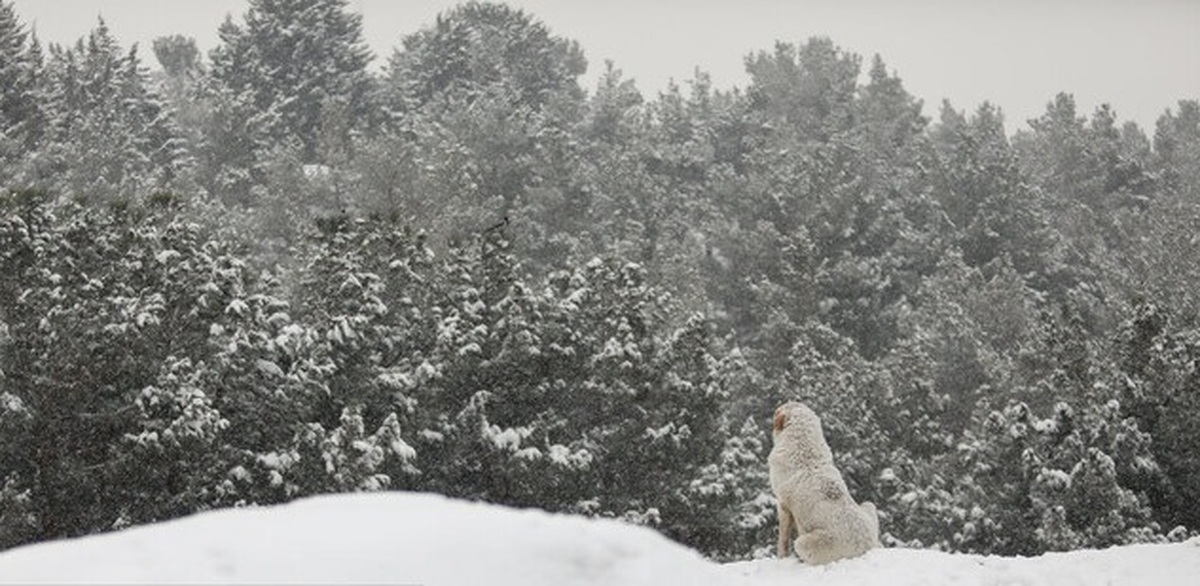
point(391, 538)
point(399, 538)
point(1137, 565)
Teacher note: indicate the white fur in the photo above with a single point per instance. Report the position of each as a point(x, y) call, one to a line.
point(811, 494)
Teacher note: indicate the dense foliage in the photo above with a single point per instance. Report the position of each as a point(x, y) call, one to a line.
point(272, 273)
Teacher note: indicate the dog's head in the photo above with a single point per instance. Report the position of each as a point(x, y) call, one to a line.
point(796, 421)
point(795, 414)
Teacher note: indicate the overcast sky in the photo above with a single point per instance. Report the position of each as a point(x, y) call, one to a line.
point(1141, 56)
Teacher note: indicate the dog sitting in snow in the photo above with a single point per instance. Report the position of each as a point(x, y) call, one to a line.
point(812, 495)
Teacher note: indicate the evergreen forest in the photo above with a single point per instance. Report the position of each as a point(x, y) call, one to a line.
point(285, 268)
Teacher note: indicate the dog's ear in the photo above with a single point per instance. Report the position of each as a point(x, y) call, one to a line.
point(780, 420)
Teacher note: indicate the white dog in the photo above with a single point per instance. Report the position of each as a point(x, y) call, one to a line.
point(812, 495)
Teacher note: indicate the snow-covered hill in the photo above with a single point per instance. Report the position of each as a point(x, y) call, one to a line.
point(398, 538)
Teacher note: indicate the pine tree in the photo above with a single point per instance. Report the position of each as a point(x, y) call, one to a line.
point(1159, 395)
point(1177, 147)
point(807, 90)
point(1094, 173)
point(294, 63)
point(111, 138)
point(1000, 466)
point(180, 83)
point(15, 102)
point(109, 315)
point(286, 86)
point(888, 115)
point(22, 115)
point(234, 138)
point(995, 213)
point(735, 510)
point(849, 214)
point(485, 99)
point(1084, 161)
point(480, 47)
point(178, 55)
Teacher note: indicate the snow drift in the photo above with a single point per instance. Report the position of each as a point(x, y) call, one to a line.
point(399, 538)
point(393, 538)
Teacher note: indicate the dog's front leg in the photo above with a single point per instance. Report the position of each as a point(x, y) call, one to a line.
point(786, 521)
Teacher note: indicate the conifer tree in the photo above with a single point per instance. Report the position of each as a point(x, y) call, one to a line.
point(888, 115)
point(110, 137)
point(294, 64)
point(486, 98)
point(994, 211)
point(807, 89)
point(1177, 147)
point(480, 47)
point(22, 113)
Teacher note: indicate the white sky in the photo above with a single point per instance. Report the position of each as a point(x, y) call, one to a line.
point(1141, 56)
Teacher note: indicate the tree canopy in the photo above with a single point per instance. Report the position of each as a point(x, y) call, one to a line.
point(272, 271)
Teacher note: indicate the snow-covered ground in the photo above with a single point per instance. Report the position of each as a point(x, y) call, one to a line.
point(397, 538)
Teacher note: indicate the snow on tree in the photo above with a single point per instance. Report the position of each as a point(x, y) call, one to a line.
point(887, 114)
point(479, 45)
point(22, 115)
point(483, 102)
point(110, 138)
point(292, 64)
point(108, 316)
point(1158, 393)
point(994, 210)
point(1056, 484)
point(1177, 147)
point(999, 334)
